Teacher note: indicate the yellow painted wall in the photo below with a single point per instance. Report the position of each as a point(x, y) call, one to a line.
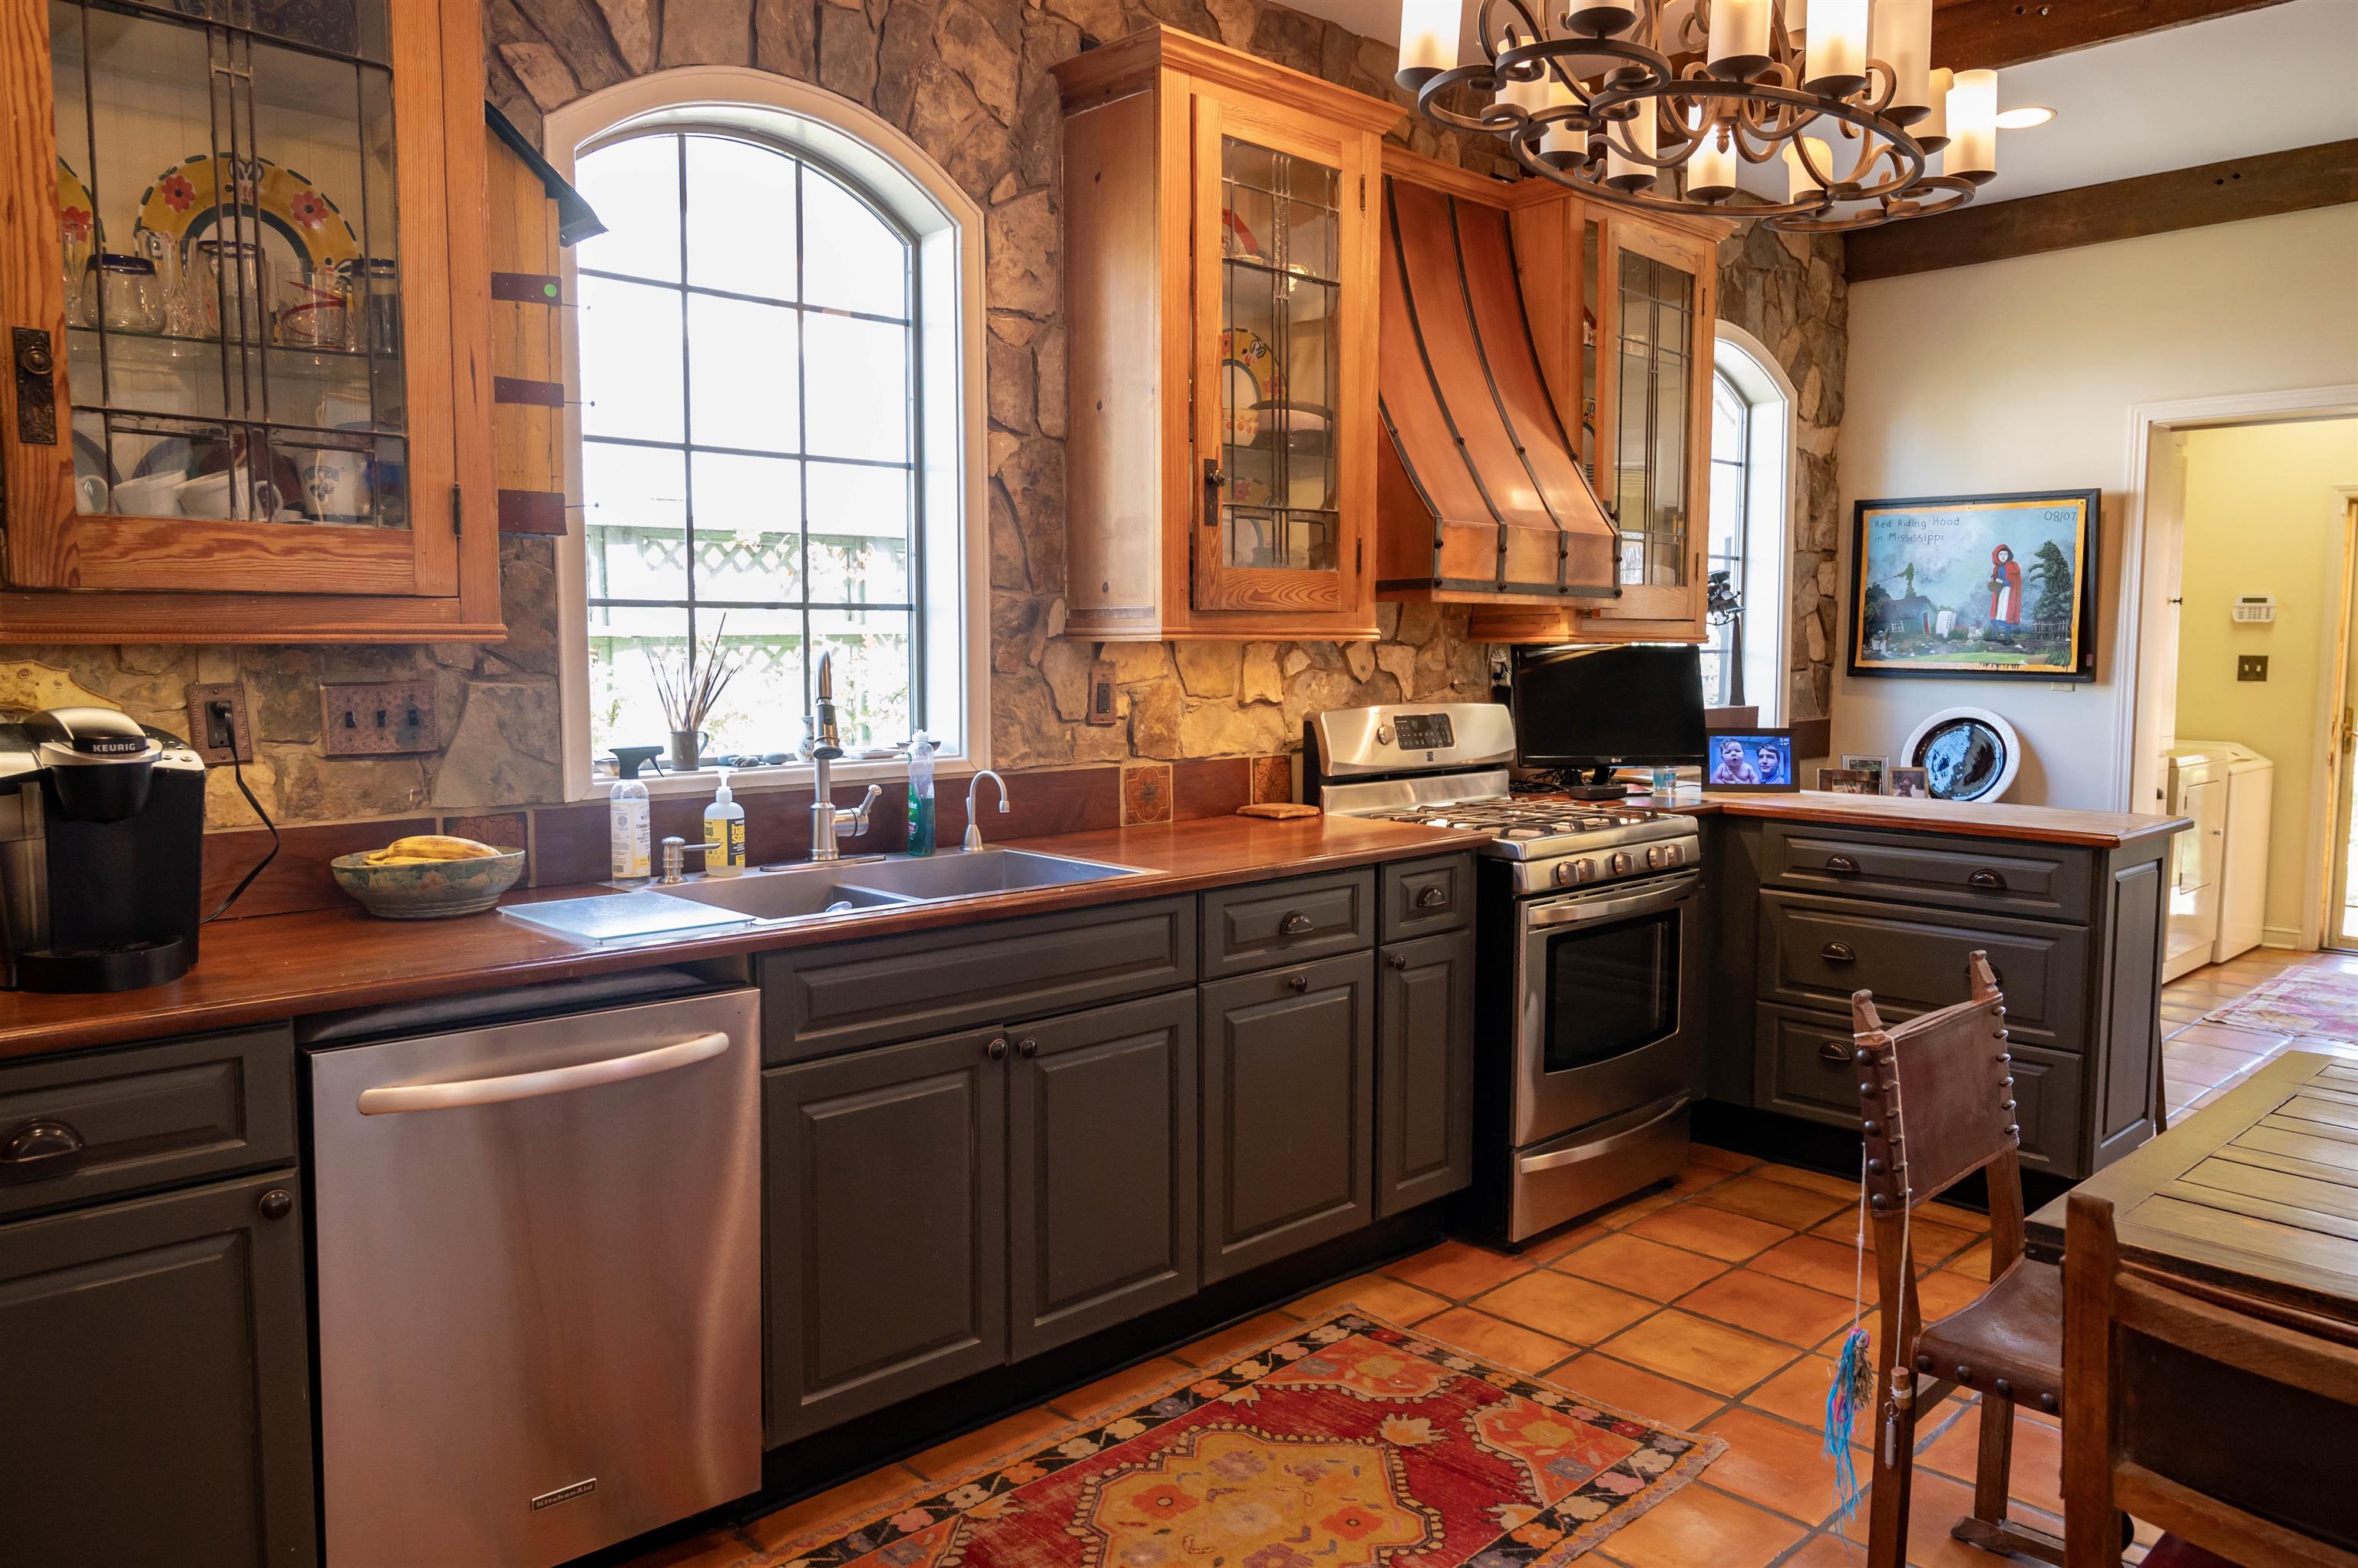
point(2262, 517)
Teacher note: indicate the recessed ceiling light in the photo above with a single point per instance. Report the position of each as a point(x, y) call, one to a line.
point(2022, 119)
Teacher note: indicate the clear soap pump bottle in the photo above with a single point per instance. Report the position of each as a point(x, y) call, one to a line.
point(724, 833)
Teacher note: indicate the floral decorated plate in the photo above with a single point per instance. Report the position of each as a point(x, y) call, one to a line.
point(78, 223)
point(1251, 376)
point(186, 200)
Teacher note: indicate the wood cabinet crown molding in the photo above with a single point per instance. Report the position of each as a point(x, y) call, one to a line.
point(1131, 64)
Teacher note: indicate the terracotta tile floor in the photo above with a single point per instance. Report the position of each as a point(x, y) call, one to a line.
point(1715, 1306)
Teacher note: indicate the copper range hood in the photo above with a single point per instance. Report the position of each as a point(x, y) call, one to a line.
point(1480, 487)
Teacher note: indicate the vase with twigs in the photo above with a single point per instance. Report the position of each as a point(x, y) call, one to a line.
point(690, 691)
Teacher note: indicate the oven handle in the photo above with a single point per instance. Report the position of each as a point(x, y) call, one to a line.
point(1619, 1141)
point(1580, 910)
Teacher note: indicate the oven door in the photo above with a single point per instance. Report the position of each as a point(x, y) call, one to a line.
point(1601, 1023)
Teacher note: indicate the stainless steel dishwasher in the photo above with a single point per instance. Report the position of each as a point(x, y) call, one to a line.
point(539, 1264)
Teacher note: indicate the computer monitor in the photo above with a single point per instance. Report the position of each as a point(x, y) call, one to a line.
point(1593, 710)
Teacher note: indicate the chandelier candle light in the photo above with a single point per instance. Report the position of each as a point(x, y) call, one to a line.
point(1662, 104)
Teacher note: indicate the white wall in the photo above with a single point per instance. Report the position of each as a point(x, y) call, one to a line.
point(2019, 375)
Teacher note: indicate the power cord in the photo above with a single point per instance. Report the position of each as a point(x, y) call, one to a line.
point(220, 716)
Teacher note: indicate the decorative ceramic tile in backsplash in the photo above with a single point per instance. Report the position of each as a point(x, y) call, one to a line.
point(1145, 794)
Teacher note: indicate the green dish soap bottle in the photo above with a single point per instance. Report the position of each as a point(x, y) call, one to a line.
point(920, 793)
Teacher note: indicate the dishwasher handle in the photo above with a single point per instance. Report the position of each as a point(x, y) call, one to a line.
point(392, 1098)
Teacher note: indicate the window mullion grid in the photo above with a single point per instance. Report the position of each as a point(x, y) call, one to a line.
point(802, 444)
point(686, 411)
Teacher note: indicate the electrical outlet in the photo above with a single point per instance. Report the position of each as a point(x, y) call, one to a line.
point(212, 737)
point(377, 719)
point(2251, 667)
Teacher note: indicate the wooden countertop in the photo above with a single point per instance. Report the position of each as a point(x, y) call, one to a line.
point(2036, 824)
point(284, 966)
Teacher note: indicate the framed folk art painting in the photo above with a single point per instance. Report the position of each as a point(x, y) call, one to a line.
point(1986, 587)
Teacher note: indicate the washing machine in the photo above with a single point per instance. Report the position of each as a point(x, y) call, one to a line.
point(2219, 868)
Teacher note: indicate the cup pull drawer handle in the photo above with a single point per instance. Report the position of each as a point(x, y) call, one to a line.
point(1841, 863)
point(38, 1141)
point(1431, 898)
point(1295, 923)
point(1834, 1051)
point(1838, 953)
point(1986, 879)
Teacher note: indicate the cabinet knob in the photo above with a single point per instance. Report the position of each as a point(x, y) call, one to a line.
point(1295, 923)
point(38, 1143)
point(1397, 960)
point(277, 1204)
point(1838, 953)
point(997, 1049)
point(1841, 863)
point(1431, 898)
point(1297, 982)
point(1987, 880)
point(1027, 1047)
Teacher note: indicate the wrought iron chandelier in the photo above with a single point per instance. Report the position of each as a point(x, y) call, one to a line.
point(1659, 103)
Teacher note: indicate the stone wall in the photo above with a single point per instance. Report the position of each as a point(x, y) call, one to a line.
point(969, 81)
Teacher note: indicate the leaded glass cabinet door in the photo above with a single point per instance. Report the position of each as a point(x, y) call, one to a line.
point(255, 394)
point(1283, 361)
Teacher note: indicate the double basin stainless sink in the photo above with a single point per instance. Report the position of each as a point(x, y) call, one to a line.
point(888, 882)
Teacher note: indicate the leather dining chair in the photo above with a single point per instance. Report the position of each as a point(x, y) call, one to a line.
point(1937, 1104)
point(2230, 1425)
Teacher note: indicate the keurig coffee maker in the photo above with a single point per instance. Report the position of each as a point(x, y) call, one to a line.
point(101, 850)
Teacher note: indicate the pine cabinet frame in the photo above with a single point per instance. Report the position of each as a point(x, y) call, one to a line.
point(1144, 119)
point(73, 578)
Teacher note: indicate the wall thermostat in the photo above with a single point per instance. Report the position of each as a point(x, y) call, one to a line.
point(2252, 608)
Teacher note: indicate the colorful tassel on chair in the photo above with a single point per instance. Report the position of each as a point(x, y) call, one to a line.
point(1852, 1389)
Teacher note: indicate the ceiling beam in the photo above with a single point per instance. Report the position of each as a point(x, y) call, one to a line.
point(1973, 33)
point(2255, 186)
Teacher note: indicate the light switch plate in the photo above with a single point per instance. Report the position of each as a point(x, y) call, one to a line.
point(2251, 667)
point(376, 719)
point(240, 749)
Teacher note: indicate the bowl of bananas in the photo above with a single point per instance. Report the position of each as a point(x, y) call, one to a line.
point(429, 876)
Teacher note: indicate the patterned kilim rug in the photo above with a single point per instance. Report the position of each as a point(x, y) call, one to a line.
point(2314, 999)
point(1346, 1443)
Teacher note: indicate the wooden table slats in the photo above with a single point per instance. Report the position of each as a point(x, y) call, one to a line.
point(2256, 1193)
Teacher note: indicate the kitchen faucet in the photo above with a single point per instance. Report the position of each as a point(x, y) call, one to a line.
point(830, 822)
point(973, 830)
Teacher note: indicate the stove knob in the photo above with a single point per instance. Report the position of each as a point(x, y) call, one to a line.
point(1653, 857)
point(1565, 871)
point(1622, 864)
point(1383, 734)
point(1672, 854)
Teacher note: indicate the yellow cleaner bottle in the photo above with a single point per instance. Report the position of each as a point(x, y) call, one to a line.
point(724, 833)
point(626, 830)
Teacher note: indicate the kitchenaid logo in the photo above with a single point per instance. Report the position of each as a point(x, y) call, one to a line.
point(564, 1494)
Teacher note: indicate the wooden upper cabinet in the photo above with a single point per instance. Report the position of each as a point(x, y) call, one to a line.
point(1220, 265)
point(1648, 287)
point(246, 304)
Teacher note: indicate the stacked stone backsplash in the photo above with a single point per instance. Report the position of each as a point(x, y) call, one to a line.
point(969, 81)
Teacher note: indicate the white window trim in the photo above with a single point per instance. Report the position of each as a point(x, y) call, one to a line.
point(949, 224)
point(1769, 463)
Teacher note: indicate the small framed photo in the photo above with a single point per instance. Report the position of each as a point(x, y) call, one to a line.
point(1877, 766)
point(1909, 783)
point(1848, 780)
point(1751, 761)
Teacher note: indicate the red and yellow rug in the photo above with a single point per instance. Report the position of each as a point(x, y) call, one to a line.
point(1346, 1443)
point(2315, 1000)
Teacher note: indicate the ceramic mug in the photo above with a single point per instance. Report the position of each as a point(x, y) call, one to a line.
point(214, 495)
point(335, 485)
point(90, 493)
point(148, 495)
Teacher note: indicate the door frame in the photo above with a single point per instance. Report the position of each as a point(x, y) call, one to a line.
point(2150, 544)
point(2338, 692)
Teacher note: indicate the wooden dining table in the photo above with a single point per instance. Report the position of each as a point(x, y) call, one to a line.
point(2255, 1193)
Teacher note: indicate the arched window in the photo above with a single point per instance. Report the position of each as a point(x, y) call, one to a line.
point(777, 357)
point(1745, 660)
point(748, 330)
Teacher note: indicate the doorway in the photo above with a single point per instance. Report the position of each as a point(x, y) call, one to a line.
point(2340, 912)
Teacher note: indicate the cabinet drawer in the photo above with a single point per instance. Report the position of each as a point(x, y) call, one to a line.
point(818, 1000)
point(1260, 926)
point(2021, 879)
point(1805, 1069)
point(80, 1127)
point(1815, 951)
point(1425, 898)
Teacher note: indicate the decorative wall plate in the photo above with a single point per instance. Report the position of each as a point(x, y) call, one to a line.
point(185, 202)
point(1251, 375)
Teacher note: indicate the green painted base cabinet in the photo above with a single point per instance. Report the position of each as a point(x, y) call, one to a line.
point(156, 1373)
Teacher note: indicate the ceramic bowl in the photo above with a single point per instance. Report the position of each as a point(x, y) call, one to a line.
point(434, 891)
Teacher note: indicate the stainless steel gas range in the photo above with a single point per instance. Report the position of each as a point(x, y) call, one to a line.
point(1588, 1033)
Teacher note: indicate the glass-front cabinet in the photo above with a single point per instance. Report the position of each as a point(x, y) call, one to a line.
point(1220, 290)
point(238, 406)
point(1648, 304)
